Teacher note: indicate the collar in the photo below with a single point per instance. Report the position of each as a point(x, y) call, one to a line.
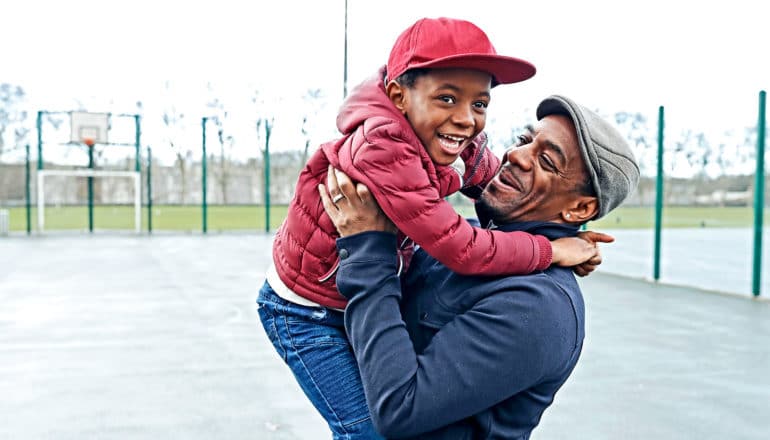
point(550, 230)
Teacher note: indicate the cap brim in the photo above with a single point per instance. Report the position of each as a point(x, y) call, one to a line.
point(504, 70)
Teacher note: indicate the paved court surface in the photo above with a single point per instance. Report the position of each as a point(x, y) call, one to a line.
point(719, 259)
point(124, 337)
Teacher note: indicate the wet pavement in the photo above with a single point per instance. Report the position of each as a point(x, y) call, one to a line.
point(136, 337)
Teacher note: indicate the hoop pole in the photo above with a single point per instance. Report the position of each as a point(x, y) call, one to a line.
point(203, 172)
point(90, 190)
point(149, 190)
point(759, 197)
point(27, 193)
point(658, 197)
point(39, 140)
point(138, 137)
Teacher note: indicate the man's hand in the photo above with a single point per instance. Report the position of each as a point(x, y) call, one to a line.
point(581, 252)
point(351, 207)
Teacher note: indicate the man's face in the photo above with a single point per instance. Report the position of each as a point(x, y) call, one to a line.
point(540, 178)
point(447, 108)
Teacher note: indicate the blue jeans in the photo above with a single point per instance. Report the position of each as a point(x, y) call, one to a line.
point(312, 342)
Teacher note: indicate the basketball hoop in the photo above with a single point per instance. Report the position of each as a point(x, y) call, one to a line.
point(89, 141)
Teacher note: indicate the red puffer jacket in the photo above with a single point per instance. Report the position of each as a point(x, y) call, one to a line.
point(380, 149)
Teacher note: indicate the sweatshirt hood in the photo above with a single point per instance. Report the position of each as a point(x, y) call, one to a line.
point(366, 100)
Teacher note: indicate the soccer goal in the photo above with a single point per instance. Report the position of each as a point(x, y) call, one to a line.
point(42, 174)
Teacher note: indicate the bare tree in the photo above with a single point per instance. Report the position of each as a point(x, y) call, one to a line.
point(11, 115)
point(225, 139)
point(172, 122)
point(314, 103)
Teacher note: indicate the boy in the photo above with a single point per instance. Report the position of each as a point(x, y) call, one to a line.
point(402, 131)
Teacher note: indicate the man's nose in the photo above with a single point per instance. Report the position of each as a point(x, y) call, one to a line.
point(520, 157)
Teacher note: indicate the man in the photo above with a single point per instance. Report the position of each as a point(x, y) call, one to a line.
point(458, 357)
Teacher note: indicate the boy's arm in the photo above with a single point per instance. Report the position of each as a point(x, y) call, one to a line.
point(396, 176)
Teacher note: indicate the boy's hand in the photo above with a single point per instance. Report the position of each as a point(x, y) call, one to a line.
point(581, 252)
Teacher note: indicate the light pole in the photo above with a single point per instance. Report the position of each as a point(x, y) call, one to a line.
point(345, 57)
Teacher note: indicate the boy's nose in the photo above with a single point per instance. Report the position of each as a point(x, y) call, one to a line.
point(463, 117)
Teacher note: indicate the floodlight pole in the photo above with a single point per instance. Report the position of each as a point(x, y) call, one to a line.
point(345, 57)
point(759, 197)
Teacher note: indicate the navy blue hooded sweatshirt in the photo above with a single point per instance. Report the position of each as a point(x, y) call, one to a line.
point(447, 356)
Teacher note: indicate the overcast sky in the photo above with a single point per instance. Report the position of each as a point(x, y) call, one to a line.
point(704, 61)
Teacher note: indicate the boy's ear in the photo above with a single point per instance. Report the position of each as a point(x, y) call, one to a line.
point(397, 95)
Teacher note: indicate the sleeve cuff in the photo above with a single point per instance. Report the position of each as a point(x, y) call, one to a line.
point(365, 257)
point(546, 252)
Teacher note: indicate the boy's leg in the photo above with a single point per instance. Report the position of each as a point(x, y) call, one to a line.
point(313, 344)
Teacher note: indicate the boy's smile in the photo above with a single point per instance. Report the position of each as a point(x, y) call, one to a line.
point(447, 108)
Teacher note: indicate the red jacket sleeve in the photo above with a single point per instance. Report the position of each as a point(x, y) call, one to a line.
point(399, 176)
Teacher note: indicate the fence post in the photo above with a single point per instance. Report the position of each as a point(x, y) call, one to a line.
point(759, 197)
point(28, 193)
point(149, 190)
point(203, 172)
point(39, 140)
point(658, 198)
point(137, 143)
point(268, 129)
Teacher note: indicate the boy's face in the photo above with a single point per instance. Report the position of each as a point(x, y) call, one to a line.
point(447, 108)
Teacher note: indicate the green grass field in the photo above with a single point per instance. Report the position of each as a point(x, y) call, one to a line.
point(231, 218)
point(165, 217)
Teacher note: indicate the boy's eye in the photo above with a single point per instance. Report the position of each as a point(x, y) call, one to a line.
point(481, 104)
point(447, 99)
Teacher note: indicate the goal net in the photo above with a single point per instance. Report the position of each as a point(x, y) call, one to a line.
point(122, 194)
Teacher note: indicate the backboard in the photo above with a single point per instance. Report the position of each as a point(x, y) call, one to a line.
point(89, 126)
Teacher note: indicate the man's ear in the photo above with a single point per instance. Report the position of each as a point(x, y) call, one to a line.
point(397, 95)
point(580, 210)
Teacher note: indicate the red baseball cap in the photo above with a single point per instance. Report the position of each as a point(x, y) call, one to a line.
point(448, 42)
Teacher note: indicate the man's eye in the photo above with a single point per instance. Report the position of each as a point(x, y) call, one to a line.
point(547, 162)
point(523, 140)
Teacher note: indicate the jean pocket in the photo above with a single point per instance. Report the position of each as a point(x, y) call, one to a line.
point(306, 333)
point(269, 325)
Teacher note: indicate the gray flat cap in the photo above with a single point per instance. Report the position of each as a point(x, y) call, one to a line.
point(609, 160)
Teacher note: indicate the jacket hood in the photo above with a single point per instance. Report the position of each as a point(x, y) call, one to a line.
point(366, 100)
